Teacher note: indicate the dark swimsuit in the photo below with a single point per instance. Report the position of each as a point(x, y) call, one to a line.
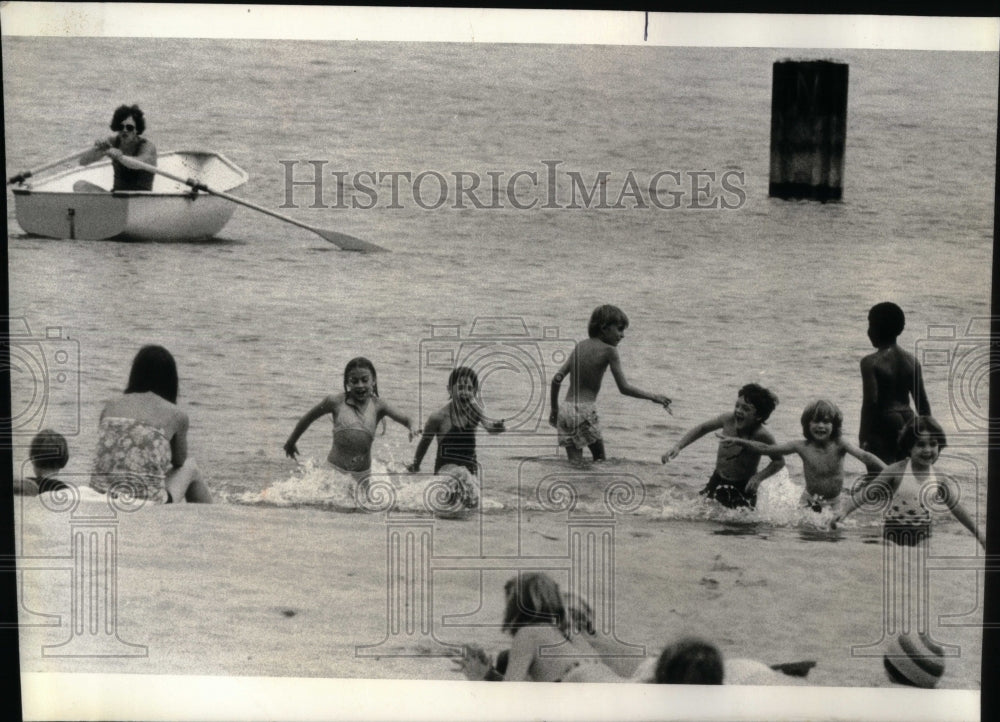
point(128, 179)
point(732, 494)
point(457, 446)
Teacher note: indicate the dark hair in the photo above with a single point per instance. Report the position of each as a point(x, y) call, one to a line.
point(886, 321)
point(920, 426)
point(604, 316)
point(534, 599)
point(689, 661)
point(360, 362)
point(49, 449)
point(124, 111)
point(153, 369)
point(462, 373)
point(822, 410)
point(760, 398)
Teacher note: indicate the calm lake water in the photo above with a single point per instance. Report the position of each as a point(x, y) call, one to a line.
point(263, 319)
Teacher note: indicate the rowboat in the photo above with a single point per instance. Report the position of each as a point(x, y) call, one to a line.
point(78, 203)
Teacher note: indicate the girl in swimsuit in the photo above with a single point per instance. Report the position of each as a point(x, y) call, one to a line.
point(544, 647)
point(356, 412)
point(454, 426)
point(142, 449)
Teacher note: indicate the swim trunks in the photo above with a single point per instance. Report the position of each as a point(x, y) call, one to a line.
point(731, 494)
point(818, 503)
point(134, 454)
point(883, 440)
point(578, 425)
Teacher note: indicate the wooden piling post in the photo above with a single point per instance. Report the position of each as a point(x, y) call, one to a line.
point(808, 129)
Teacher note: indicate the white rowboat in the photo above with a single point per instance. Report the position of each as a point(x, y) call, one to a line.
point(77, 203)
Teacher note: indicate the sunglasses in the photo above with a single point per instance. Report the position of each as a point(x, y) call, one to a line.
point(129, 127)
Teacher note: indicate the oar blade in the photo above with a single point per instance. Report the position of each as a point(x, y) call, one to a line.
point(348, 243)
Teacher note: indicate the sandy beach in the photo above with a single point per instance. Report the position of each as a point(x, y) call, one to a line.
point(229, 590)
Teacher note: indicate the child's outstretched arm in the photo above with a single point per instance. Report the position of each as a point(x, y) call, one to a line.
point(693, 434)
point(959, 511)
point(776, 464)
point(627, 389)
point(869, 459)
point(326, 406)
point(888, 479)
point(399, 418)
point(789, 447)
point(431, 429)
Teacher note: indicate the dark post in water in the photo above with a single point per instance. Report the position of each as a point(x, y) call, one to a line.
point(808, 129)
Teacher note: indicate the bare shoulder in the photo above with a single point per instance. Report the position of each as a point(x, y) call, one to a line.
point(762, 433)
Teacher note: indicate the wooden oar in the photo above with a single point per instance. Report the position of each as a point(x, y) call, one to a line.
point(342, 240)
point(21, 177)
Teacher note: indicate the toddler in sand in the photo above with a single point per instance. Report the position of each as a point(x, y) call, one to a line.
point(356, 413)
point(822, 453)
point(735, 479)
point(49, 453)
point(577, 421)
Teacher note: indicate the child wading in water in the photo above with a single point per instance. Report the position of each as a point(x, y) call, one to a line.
point(907, 520)
point(889, 376)
point(735, 480)
point(822, 453)
point(577, 421)
point(454, 426)
point(356, 413)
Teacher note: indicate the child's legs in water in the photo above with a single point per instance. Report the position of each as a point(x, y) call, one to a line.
point(574, 454)
point(185, 483)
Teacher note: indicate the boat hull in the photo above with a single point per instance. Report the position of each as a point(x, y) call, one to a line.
point(74, 205)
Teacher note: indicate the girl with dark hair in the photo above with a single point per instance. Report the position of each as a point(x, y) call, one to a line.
point(128, 123)
point(356, 413)
point(142, 449)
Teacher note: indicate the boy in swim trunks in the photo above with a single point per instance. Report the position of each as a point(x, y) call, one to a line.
point(735, 480)
point(889, 376)
point(822, 452)
point(577, 421)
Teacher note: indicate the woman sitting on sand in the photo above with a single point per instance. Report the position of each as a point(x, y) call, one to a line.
point(543, 648)
point(142, 449)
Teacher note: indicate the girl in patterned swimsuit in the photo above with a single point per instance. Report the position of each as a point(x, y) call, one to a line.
point(454, 425)
point(142, 449)
point(356, 413)
point(907, 483)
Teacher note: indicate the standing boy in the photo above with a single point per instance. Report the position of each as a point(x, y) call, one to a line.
point(889, 376)
point(577, 421)
point(735, 480)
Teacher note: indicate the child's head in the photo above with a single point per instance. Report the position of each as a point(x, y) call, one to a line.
point(885, 322)
point(762, 400)
point(920, 428)
point(154, 369)
point(689, 661)
point(360, 363)
point(532, 599)
point(604, 316)
point(49, 451)
point(465, 377)
point(822, 410)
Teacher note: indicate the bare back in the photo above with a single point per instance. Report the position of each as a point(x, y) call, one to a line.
point(893, 378)
point(586, 367)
